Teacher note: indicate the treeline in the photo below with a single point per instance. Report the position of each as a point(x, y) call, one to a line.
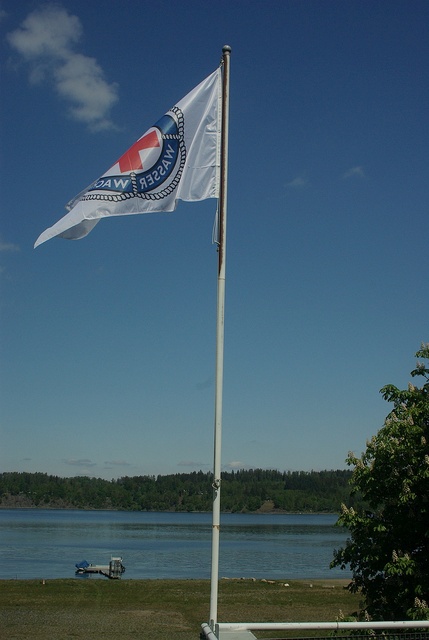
point(242, 491)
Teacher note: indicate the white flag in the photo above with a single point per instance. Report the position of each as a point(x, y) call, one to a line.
point(176, 159)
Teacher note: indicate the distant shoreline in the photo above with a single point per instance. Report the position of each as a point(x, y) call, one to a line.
point(247, 491)
point(258, 512)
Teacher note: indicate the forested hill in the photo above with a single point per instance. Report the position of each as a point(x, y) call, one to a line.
point(242, 491)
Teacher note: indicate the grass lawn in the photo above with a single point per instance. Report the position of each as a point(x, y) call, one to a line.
point(155, 609)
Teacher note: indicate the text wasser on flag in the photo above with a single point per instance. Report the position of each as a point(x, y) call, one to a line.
point(176, 159)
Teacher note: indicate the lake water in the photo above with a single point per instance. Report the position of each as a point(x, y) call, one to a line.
point(47, 544)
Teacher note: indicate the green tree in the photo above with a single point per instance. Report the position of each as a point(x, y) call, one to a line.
point(388, 548)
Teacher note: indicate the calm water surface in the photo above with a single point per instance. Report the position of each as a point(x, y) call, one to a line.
point(47, 544)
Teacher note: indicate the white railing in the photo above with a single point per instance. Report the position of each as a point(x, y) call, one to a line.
point(222, 629)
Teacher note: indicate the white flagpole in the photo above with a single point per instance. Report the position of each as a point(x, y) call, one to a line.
point(226, 51)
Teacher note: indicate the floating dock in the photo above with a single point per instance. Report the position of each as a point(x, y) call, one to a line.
point(113, 570)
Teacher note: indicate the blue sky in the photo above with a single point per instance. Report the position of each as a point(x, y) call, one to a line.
point(108, 343)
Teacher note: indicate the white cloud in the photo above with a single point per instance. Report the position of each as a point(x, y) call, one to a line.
point(46, 40)
point(8, 247)
point(354, 172)
point(48, 31)
point(192, 463)
point(297, 183)
point(82, 462)
point(235, 464)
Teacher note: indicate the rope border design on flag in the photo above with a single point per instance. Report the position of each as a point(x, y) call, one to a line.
point(164, 192)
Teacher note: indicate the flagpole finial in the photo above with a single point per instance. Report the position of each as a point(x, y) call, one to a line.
point(226, 49)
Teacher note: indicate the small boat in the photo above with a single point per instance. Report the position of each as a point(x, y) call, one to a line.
point(113, 570)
